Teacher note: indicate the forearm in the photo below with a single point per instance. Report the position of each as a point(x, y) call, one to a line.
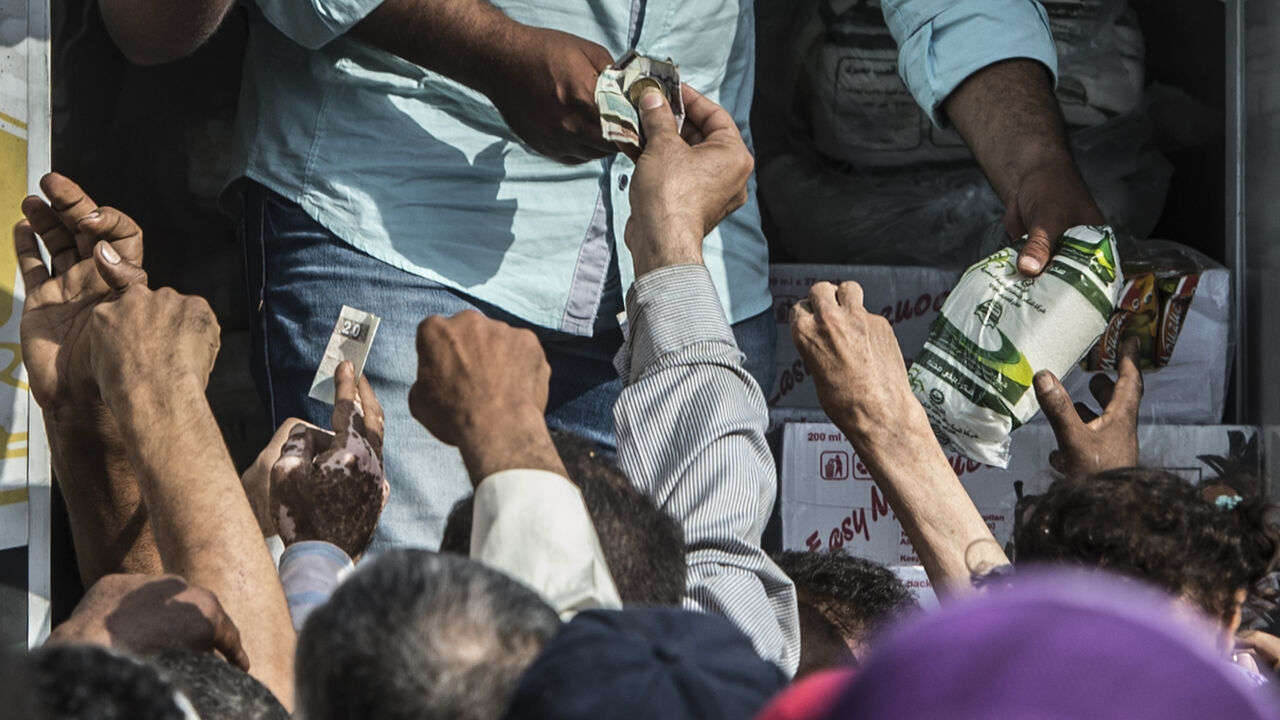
point(204, 528)
point(507, 439)
point(690, 423)
point(109, 525)
point(465, 40)
point(149, 32)
point(1008, 115)
point(917, 480)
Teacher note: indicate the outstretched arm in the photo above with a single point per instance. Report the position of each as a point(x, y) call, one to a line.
point(988, 67)
point(151, 354)
point(690, 421)
point(863, 387)
point(1009, 117)
point(108, 520)
point(482, 386)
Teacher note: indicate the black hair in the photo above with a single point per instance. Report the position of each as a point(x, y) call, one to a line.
point(418, 635)
point(856, 595)
point(86, 682)
point(1152, 525)
point(217, 689)
point(643, 546)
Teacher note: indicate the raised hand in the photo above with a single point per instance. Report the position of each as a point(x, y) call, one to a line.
point(683, 185)
point(148, 341)
point(1089, 443)
point(145, 614)
point(331, 486)
point(55, 316)
point(856, 363)
point(482, 386)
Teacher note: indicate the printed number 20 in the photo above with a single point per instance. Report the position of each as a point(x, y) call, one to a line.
point(351, 329)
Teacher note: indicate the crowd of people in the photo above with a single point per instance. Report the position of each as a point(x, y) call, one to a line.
point(600, 554)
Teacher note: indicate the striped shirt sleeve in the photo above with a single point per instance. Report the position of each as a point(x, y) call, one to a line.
point(690, 425)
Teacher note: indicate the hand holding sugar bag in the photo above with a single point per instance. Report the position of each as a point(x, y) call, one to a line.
point(998, 328)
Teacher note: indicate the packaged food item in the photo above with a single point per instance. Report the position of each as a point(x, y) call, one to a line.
point(998, 328)
point(1176, 294)
point(1152, 308)
point(1135, 314)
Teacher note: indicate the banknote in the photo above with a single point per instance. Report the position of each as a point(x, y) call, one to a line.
point(618, 91)
point(351, 339)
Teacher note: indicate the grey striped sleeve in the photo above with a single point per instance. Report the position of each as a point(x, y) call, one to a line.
point(690, 425)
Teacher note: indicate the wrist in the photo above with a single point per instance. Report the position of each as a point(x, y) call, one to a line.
point(882, 440)
point(507, 439)
point(166, 395)
point(653, 251)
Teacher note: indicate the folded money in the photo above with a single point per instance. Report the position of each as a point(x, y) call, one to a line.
point(618, 91)
point(350, 341)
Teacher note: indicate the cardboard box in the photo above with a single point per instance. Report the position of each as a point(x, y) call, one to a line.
point(1190, 390)
point(829, 500)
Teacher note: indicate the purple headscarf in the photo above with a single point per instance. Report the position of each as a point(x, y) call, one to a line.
point(1054, 647)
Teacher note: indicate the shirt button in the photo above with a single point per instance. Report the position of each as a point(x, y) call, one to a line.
point(622, 182)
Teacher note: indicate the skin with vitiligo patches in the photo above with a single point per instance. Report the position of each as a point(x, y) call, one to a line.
point(330, 487)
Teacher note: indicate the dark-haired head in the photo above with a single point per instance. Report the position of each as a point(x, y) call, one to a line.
point(843, 602)
point(643, 546)
point(1152, 525)
point(217, 689)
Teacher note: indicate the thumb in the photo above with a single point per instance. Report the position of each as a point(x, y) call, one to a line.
point(655, 115)
point(1057, 406)
point(115, 270)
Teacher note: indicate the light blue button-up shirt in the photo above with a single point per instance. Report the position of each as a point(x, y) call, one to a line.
point(422, 173)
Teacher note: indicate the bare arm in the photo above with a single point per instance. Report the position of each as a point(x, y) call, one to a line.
point(863, 387)
point(108, 521)
point(109, 525)
point(541, 80)
point(164, 344)
point(1008, 115)
point(150, 32)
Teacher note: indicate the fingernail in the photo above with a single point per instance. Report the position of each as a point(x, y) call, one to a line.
point(1044, 382)
point(109, 254)
point(651, 99)
point(91, 216)
point(1030, 265)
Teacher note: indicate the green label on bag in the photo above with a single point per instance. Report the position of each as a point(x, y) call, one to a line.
point(1005, 369)
point(1083, 285)
point(972, 391)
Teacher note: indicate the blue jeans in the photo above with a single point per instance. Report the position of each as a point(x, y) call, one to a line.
point(300, 275)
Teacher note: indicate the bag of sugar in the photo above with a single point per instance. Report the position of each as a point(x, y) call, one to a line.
point(999, 327)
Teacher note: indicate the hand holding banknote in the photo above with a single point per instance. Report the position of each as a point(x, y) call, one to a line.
point(547, 94)
point(682, 188)
point(331, 486)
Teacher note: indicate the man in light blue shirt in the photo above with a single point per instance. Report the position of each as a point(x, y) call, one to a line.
point(415, 157)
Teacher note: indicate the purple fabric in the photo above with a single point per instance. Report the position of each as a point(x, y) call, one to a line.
point(1061, 647)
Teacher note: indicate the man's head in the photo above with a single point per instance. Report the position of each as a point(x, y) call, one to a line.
point(843, 601)
point(217, 689)
point(414, 634)
point(86, 682)
point(1147, 524)
point(643, 546)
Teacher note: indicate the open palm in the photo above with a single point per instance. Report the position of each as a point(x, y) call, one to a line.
point(58, 303)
